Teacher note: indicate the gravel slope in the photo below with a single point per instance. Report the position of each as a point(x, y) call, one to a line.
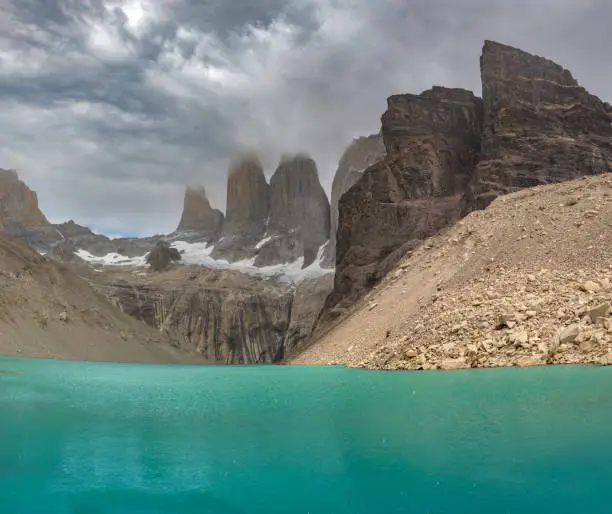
point(525, 282)
point(47, 311)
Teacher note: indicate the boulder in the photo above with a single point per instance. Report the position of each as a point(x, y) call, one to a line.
point(162, 255)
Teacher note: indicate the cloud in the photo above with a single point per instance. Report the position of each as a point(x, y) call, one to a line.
point(109, 107)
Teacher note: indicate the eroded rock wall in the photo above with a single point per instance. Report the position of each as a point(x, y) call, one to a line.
point(223, 316)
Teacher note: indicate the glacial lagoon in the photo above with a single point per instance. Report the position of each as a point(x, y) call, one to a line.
point(98, 438)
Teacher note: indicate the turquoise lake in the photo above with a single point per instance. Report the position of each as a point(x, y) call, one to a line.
point(87, 438)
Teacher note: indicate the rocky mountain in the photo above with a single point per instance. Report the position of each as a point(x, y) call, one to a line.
point(199, 216)
point(449, 153)
point(539, 125)
point(298, 222)
point(248, 286)
point(18, 203)
point(526, 281)
point(244, 288)
point(275, 223)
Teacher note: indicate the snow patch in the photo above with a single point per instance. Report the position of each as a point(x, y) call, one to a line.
point(262, 242)
point(198, 254)
point(111, 259)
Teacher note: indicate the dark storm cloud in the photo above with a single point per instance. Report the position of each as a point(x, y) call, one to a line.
point(109, 107)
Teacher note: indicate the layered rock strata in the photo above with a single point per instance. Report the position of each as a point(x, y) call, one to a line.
point(432, 144)
point(224, 316)
point(449, 153)
point(540, 126)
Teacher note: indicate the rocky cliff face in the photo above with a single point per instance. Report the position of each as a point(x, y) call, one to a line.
point(432, 143)
point(540, 126)
point(199, 216)
point(359, 155)
point(449, 152)
point(248, 205)
point(18, 203)
point(308, 300)
point(222, 315)
point(298, 222)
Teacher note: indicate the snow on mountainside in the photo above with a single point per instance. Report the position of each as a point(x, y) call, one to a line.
point(199, 254)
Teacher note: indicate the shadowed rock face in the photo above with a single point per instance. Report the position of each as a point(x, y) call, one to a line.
point(432, 143)
point(224, 316)
point(298, 223)
point(199, 216)
point(359, 155)
point(449, 153)
point(540, 126)
point(248, 197)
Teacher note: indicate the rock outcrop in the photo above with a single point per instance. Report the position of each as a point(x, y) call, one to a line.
point(79, 236)
point(18, 203)
point(247, 209)
point(222, 315)
point(449, 153)
point(359, 155)
point(540, 126)
point(198, 215)
point(276, 223)
point(298, 222)
point(162, 255)
point(20, 215)
point(432, 143)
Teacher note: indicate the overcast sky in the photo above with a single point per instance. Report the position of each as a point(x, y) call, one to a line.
point(109, 108)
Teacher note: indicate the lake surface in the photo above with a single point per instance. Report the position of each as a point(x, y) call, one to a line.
point(89, 438)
